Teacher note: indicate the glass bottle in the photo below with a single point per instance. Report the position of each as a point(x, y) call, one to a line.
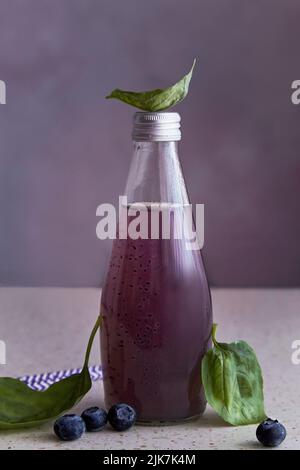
point(156, 302)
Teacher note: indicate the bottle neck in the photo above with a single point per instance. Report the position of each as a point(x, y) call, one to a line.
point(155, 174)
point(156, 149)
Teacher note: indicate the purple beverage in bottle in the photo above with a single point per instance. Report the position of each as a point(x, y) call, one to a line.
point(156, 311)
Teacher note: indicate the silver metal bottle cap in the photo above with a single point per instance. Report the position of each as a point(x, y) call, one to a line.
point(155, 127)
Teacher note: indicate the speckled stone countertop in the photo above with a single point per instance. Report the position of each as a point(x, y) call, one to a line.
point(47, 329)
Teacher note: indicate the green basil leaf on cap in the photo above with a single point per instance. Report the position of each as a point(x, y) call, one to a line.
point(20, 406)
point(233, 382)
point(156, 100)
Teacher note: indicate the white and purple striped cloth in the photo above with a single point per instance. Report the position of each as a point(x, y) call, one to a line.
point(41, 382)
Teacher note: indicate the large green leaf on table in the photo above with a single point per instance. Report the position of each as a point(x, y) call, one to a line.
point(21, 406)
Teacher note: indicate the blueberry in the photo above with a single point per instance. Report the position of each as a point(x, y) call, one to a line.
point(69, 427)
point(121, 416)
point(95, 418)
point(271, 433)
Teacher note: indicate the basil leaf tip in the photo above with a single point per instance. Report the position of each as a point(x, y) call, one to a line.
point(158, 99)
point(22, 407)
point(233, 383)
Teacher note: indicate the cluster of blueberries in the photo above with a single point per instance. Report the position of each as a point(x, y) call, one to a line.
point(71, 426)
point(121, 417)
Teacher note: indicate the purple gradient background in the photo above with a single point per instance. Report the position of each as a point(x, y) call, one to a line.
point(64, 149)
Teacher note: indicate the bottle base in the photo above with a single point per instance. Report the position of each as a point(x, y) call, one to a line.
point(141, 422)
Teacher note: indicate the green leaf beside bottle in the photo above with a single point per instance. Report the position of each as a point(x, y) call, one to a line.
point(156, 100)
point(233, 382)
point(22, 407)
